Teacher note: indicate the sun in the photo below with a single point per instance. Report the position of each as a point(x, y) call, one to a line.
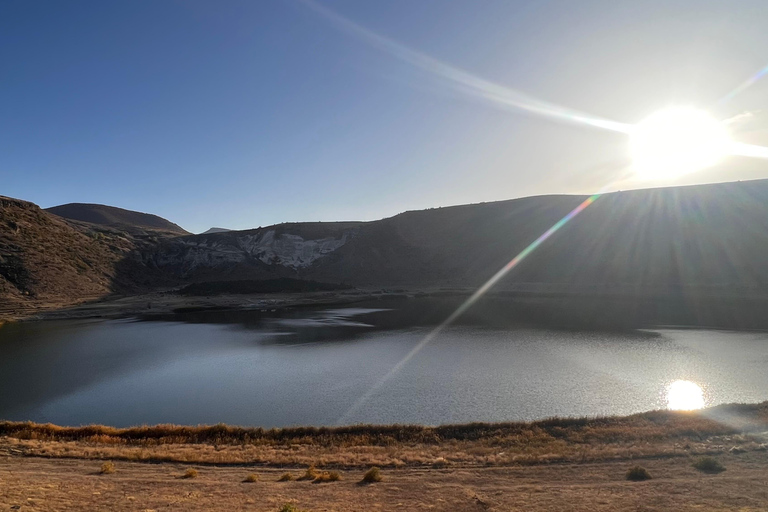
point(677, 141)
point(684, 395)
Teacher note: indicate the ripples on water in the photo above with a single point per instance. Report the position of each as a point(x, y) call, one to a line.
point(309, 366)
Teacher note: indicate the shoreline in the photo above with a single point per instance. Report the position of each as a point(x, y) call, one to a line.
point(579, 464)
point(168, 303)
point(163, 303)
point(661, 433)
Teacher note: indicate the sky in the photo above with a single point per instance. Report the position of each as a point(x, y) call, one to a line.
point(241, 114)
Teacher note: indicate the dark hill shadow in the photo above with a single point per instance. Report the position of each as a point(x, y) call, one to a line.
point(683, 256)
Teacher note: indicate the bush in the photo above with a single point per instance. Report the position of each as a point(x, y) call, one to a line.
point(708, 465)
point(285, 477)
point(190, 473)
point(638, 474)
point(253, 477)
point(290, 507)
point(107, 468)
point(309, 474)
point(372, 475)
point(326, 476)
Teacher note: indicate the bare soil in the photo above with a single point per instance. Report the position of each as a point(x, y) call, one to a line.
point(30, 483)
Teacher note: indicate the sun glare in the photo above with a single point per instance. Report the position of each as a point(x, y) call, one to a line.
point(677, 141)
point(684, 395)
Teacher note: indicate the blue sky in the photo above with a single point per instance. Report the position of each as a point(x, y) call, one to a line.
point(247, 113)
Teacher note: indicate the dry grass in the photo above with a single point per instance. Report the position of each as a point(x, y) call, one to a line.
point(33, 483)
point(650, 425)
point(286, 477)
point(653, 434)
point(708, 465)
point(372, 475)
point(251, 478)
point(638, 474)
point(290, 507)
point(190, 473)
point(107, 468)
point(310, 474)
point(327, 476)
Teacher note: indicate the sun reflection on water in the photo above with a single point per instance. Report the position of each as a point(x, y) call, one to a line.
point(684, 395)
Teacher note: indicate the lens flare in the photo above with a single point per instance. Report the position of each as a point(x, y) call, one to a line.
point(677, 141)
point(745, 85)
point(684, 395)
point(668, 144)
point(464, 81)
point(466, 305)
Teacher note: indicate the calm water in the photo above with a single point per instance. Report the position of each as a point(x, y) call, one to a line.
point(309, 366)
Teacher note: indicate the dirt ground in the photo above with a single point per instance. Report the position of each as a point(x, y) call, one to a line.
point(31, 483)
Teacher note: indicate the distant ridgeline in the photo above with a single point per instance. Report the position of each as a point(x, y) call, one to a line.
point(117, 217)
point(684, 255)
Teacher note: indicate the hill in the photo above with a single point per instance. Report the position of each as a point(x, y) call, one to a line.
point(47, 261)
point(641, 241)
point(680, 255)
point(215, 230)
point(43, 259)
point(115, 217)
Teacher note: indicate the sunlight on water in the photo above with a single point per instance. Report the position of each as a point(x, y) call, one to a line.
point(684, 395)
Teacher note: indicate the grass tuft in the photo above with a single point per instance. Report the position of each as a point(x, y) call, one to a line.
point(638, 474)
point(310, 474)
point(708, 465)
point(107, 468)
point(190, 473)
point(327, 476)
point(290, 507)
point(253, 477)
point(285, 477)
point(372, 475)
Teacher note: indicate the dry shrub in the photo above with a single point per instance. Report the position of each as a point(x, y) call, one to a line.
point(708, 465)
point(107, 468)
point(439, 463)
point(327, 476)
point(285, 477)
point(646, 435)
point(253, 477)
point(310, 474)
point(290, 507)
point(638, 474)
point(190, 473)
point(372, 475)
point(653, 425)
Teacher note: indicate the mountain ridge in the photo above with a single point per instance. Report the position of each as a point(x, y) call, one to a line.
point(113, 216)
point(694, 241)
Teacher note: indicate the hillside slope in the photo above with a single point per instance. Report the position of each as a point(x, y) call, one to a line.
point(659, 248)
point(115, 217)
point(44, 259)
point(47, 261)
point(645, 241)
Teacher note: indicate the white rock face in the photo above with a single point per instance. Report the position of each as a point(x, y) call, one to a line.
point(288, 250)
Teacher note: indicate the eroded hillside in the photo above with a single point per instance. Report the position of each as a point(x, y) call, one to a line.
point(690, 250)
point(46, 261)
point(708, 238)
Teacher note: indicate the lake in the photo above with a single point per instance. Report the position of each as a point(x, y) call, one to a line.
point(310, 366)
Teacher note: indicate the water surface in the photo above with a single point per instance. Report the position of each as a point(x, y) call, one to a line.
point(306, 366)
